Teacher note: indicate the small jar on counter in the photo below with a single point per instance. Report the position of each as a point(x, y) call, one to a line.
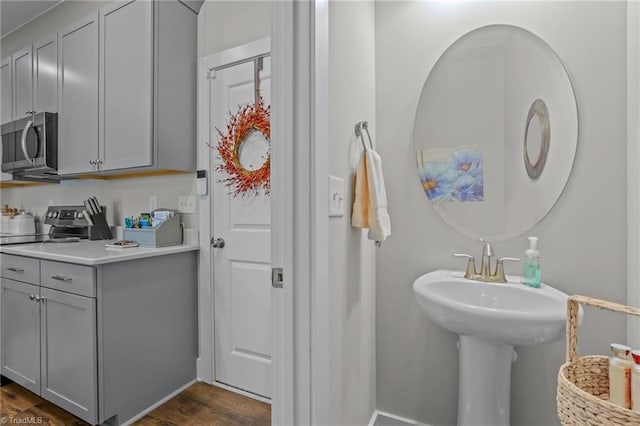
point(620, 366)
point(635, 381)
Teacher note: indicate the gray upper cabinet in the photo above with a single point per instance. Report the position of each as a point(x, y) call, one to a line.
point(5, 103)
point(29, 80)
point(136, 107)
point(175, 86)
point(45, 73)
point(69, 352)
point(126, 85)
point(147, 86)
point(78, 97)
point(6, 98)
point(22, 63)
point(20, 333)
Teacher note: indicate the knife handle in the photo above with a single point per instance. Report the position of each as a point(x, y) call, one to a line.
point(97, 204)
point(86, 216)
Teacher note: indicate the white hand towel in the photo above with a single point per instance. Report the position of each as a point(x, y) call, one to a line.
point(379, 221)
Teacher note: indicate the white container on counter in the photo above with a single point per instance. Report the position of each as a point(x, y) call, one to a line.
point(5, 225)
point(23, 224)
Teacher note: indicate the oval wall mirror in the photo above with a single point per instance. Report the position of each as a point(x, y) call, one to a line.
point(495, 132)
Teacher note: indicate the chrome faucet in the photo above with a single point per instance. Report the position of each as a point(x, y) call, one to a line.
point(485, 274)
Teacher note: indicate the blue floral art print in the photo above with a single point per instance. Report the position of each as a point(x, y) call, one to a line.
point(460, 178)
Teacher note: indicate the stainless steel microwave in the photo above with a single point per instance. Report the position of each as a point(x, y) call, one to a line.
point(30, 145)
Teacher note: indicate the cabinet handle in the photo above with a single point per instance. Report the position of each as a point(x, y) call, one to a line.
point(61, 278)
point(32, 297)
point(12, 269)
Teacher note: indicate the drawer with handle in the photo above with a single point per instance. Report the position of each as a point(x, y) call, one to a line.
point(67, 277)
point(19, 268)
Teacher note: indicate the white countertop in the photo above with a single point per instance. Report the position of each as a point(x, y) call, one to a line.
point(90, 252)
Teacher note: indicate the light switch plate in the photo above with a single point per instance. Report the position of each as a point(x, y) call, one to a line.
point(187, 204)
point(336, 196)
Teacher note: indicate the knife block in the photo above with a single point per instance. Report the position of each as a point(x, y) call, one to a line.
point(100, 229)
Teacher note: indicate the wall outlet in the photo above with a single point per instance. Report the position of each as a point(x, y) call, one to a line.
point(187, 204)
point(153, 203)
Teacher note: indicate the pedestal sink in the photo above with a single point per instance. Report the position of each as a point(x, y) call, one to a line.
point(491, 318)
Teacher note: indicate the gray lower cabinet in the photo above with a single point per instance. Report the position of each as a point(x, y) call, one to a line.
point(49, 345)
point(21, 333)
point(106, 342)
point(69, 366)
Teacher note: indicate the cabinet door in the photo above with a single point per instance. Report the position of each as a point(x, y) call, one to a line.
point(6, 95)
point(20, 333)
point(5, 104)
point(78, 92)
point(45, 69)
point(22, 83)
point(126, 83)
point(69, 354)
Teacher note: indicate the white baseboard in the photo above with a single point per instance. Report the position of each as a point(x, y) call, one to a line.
point(242, 392)
point(372, 420)
point(377, 413)
point(205, 375)
point(157, 404)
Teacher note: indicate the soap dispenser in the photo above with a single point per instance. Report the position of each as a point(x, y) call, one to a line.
point(531, 268)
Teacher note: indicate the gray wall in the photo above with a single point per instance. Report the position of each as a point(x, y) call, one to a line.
point(226, 24)
point(352, 255)
point(124, 197)
point(582, 240)
point(48, 23)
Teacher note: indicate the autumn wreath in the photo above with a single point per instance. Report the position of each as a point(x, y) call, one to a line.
point(249, 118)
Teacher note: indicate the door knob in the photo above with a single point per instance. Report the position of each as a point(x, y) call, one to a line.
point(217, 243)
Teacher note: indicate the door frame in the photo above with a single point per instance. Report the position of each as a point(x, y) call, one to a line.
point(633, 174)
point(299, 212)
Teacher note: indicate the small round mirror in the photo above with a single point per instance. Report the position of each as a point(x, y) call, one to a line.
point(533, 142)
point(497, 96)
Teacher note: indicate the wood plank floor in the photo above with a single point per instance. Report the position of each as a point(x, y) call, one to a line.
point(199, 405)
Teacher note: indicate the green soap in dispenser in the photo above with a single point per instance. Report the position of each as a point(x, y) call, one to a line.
point(531, 268)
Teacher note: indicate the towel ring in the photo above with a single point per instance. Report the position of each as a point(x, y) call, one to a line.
point(363, 125)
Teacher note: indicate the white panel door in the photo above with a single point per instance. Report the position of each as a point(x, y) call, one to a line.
point(242, 278)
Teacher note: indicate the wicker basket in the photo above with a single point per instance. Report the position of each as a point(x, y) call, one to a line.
point(583, 382)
